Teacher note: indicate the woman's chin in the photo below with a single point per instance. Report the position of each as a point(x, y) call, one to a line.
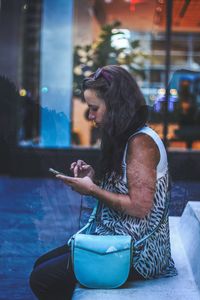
point(99, 125)
point(95, 124)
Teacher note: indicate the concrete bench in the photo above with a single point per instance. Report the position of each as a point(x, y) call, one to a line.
point(185, 242)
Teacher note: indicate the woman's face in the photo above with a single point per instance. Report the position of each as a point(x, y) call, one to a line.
point(97, 107)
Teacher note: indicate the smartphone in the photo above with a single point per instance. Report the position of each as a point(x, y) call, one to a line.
point(56, 172)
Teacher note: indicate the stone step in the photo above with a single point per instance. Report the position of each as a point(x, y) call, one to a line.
point(189, 229)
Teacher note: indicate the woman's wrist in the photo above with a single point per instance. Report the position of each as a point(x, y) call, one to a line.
point(93, 190)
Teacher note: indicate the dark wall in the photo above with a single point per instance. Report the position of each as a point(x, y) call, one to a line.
point(184, 165)
point(10, 38)
point(35, 162)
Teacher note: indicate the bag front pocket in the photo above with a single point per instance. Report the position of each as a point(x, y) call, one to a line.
point(101, 261)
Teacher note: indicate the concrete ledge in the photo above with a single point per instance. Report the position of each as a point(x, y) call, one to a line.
point(189, 229)
point(179, 287)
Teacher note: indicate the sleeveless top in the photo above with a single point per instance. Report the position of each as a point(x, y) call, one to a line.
point(154, 259)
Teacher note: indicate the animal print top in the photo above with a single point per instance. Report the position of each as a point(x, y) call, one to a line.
point(154, 259)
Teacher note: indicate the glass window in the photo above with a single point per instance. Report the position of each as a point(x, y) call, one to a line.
point(126, 34)
point(143, 36)
point(48, 66)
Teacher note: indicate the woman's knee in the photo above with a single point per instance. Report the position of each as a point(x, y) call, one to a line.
point(45, 287)
point(36, 282)
point(33, 280)
point(52, 276)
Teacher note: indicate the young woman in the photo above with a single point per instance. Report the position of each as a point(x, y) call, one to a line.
point(133, 187)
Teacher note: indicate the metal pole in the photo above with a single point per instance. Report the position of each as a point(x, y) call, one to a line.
point(167, 64)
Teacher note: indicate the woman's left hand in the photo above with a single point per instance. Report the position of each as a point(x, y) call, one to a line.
point(81, 185)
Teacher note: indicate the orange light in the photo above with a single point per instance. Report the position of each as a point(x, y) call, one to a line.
point(184, 83)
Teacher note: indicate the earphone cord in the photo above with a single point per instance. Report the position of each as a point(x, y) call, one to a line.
point(81, 206)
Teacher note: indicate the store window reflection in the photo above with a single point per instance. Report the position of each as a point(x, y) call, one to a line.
point(132, 34)
point(129, 33)
point(188, 116)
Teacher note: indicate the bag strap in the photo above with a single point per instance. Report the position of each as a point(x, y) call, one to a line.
point(89, 223)
point(138, 244)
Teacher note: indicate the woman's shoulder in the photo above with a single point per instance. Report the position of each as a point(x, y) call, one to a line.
point(149, 149)
point(144, 137)
point(145, 130)
point(144, 148)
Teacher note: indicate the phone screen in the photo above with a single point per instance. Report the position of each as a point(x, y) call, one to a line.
point(55, 172)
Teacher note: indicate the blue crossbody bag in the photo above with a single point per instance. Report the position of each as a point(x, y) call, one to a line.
point(104, 261)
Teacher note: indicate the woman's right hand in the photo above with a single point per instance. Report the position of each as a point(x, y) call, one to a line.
point(82, 169)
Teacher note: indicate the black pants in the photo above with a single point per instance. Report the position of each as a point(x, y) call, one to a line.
point(53, 278)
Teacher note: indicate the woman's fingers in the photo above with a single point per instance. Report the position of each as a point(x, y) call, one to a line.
point(74, 168)
point(81, 169)
point(67, 179)
point(78, 166)
point(86, 167)
point(76, 171)
point(73, 165)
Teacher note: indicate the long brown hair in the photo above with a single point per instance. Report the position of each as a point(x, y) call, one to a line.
point(126, 113)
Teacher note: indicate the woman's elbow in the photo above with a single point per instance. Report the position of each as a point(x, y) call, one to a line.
point(140, 209)
point(143, 213)
point(139, 214)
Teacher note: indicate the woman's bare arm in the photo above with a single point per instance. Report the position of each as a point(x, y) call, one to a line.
point(142, 159)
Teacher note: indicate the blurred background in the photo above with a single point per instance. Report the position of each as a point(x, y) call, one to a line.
point(47, 48)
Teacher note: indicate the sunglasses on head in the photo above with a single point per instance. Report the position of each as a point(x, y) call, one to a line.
point(100, 72)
